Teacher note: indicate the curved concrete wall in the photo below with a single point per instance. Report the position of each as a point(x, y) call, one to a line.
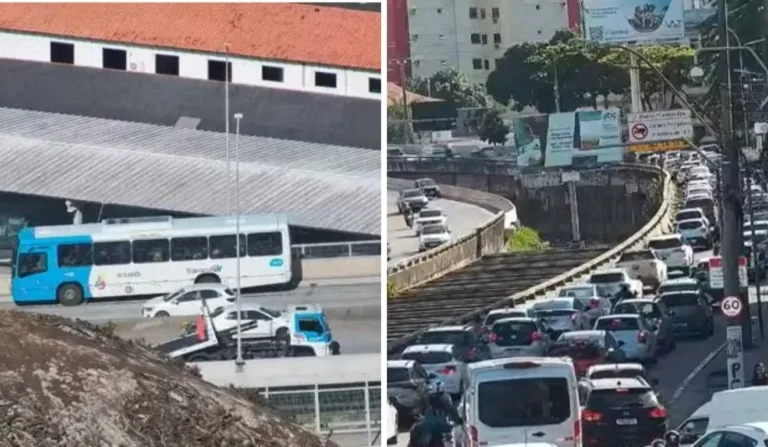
point(614, 203)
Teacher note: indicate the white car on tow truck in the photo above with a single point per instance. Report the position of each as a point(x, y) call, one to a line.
point(643, 265)
point(268, 323)
point(674, 250)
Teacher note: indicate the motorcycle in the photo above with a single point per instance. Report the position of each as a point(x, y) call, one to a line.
point(671, 439)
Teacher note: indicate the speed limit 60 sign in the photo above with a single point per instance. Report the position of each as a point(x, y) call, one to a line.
point(731, 306)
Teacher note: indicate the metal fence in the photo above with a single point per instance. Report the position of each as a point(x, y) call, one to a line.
point(338, 249)
point(337, 409)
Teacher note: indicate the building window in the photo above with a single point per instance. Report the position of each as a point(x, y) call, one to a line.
point(413, 37)
point(475, 38)
point(485, 39)
point(441, 37)
point(271, 73)
point(496, 38)
point(374, 85)
point(495, 13)
point(324, 79)
point(482, 13)
point(62, 53)
point(219, 70)
point(439, 10)
point(538, 7)
point(114, 59)
point(486, 64)
point(472, 13)
point(413, 11)
point(477, 64)
point(167, 64)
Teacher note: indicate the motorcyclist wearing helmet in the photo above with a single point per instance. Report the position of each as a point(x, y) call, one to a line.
point(624, 293)
point(433, 426)
point(440, 401)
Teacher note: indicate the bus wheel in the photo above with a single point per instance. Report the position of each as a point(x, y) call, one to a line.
point(207, 279)
point(70, 295)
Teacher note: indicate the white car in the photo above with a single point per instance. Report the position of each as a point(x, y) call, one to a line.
point(749, 434)
point(643, 265)
point(696, 232)
point(674, 250)
point(433, 236)
point(692, 213)
point(588, 295)
point(429, 216)
point(271, 323)
point(608, 282)
point(562, 314)
point(186, 301)
point(391, 424)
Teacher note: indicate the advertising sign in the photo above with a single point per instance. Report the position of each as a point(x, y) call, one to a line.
point(633, 21)
point(658, 146)
point(647, 127)
point(584, 137)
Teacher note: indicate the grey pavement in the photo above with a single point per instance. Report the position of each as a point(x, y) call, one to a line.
point(463, 218)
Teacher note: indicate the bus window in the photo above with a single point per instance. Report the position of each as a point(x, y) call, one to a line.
point(224, 246)
point(31, 263)
point(189, 248)
point(150, 250)
point(75, 255)
point(265, 244)
point(112, 253)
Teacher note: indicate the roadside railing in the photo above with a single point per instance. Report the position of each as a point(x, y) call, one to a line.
point(336, 409)
point(338, 249)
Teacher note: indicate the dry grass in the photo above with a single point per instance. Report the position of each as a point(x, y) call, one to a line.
point(69, 383)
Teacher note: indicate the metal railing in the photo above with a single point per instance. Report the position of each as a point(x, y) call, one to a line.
point(338, 249)
point(333, 409)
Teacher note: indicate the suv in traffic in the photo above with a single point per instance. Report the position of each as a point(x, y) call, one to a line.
point(429, 186)
point(413, 199)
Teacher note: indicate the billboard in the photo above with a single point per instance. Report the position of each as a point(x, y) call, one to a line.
point(633, 21)
point(565, 139)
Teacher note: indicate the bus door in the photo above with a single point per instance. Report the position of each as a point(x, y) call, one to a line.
point(32, 279)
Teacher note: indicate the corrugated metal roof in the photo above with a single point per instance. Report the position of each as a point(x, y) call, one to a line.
point(90, 159)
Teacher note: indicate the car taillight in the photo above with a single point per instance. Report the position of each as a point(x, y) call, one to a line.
point(493, 337)
point(658, 413)
point(447, 370)
point(535, 336)
point(642, 336)
point(577, 431)
point(591, 416)
point(473, 439)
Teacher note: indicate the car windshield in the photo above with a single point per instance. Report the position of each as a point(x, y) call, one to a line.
point(583, 349)
point(553, 305)
point(690, 225)
point(492, 318)
point(537, 402)
point(699, 203)
point(174, 295)
point(270, 312)
point(621, 398)
point(680, 300)
point(430, 213)
point(578, 292)
point(442, 338)
point(664, 244)
point(646, 309)
point(513, 333)
point(433, 229)
point(398, 375)
point(645, 255)
point(606, 278)
point(412, 193)
point(617, 324)
point(620, 373)
point(428, 358)
point(427, 182)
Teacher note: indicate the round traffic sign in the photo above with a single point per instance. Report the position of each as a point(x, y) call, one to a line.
point(731, 306)
point(639, 131)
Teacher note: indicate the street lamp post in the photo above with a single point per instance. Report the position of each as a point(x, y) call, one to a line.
point(239, 363)
point(226, 124)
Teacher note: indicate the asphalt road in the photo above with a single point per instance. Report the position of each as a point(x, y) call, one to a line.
point(462, 219)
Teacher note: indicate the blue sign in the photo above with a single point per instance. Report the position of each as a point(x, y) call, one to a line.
point(277, 262)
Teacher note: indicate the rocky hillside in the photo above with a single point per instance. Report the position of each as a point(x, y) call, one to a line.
point(69, 383)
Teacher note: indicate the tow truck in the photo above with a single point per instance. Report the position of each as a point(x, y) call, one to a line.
point(308, 335)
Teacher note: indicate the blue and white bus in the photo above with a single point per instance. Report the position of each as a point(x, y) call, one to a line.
point(70, 264)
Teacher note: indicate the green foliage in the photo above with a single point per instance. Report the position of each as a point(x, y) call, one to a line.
point(452, 86)
point(392, 291)
point(399, 131)
point(585, 73)
point(525, 239)
point(493, 130)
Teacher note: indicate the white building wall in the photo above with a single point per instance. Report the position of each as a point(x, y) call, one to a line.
point(441, 32)
point(301, 77)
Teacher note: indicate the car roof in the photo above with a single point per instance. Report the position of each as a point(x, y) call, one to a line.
point(589, 332)
point(509, 310)
point(443, 347)
point(584, 285)
point(568, 299)
point(430, 209)
point(563, 362)
point(639, 300)
point(616, 366)
point(679, 292)
point(666, 237)
point(699, 220)
point(613, 383)
point(678, 281)
point(449, 328)
point(619, 316)
point(400, 363)
point(697, 209)
point(515, 320)
point(611, 270)
point(411, 190)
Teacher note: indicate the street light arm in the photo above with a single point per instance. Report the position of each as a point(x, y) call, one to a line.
point(750, 50)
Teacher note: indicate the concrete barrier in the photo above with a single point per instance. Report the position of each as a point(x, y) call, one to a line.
point(662, 222)
point(486, 239)
point(349, 267)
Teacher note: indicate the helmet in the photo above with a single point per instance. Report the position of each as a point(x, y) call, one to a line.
point(658, 443)
point(436, 387)
point(672, 437)
point(624, 286)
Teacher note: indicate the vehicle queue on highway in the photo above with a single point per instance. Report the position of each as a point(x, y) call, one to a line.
point(576, 368)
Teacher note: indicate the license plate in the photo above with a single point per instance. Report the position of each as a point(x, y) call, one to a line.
point(626, 421)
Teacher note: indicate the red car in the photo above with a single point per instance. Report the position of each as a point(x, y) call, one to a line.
point(587, 348)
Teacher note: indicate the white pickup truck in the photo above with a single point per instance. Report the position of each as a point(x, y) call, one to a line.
point(674, 250)
point(608, 282)
point(643, 265)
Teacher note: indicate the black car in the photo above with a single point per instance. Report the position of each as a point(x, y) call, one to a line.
point(621, 412)
point(430, 187)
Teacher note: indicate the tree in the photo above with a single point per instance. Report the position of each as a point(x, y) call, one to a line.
point(398, 129)
point(516, 80)
point(493, 130)
point(452, 86)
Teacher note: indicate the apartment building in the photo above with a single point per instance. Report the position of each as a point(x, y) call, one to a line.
point(472, 35)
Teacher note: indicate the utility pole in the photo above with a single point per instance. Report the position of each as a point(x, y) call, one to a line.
point(634, 84)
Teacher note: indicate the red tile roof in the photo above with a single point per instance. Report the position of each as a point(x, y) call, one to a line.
point(395, 95)
point(290, 32)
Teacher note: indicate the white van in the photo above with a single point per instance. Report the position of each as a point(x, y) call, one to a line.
point(730, 407)
point(518, 400)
